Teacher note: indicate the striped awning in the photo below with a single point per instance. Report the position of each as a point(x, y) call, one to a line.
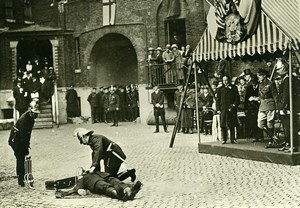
point(268, 37)
point(286, 14)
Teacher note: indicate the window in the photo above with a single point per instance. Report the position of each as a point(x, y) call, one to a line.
point(9, 10)
point(109, 12)
point(27, 10)
point(175, 32)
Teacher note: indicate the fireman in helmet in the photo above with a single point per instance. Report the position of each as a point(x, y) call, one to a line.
point(19, 139)
point(106, 150)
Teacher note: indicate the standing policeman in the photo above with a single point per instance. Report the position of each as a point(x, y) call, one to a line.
point(19, 139)
point(92, 99)
point(114, 103)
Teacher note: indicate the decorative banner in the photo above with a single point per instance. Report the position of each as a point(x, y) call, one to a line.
point(233, 21)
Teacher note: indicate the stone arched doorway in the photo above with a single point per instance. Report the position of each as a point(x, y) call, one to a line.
point(31, 49)
point(113, 60)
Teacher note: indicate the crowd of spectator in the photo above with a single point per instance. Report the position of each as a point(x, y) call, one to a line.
point(34, 82)
point(246, 106)
point(109, 104)
point(168, 66)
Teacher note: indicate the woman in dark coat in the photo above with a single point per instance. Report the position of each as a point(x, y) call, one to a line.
point(72, 103)
point(187, 118)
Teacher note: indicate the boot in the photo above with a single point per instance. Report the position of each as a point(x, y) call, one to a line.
point(112, 192)
point(224, 135)
point(125, 174)
point(135, 189)
point(21, 180)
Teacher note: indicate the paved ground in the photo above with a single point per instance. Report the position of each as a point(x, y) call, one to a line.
point(172, 177)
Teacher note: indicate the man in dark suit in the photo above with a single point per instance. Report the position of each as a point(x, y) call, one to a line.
point(19, 95)
point(251, 110)
point(157, 100)
point(19, 139)
point(227, 101)
point(103, 183)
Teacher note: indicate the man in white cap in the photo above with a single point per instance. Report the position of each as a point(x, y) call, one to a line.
point(104, 148)
point(19, 139)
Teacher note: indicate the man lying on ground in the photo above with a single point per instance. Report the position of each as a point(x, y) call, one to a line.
point(104, 184)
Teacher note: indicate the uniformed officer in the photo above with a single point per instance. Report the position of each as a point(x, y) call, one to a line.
point(267, 96)
point(113, 106)
point(105, 101)
point(19, 139)
point(92, 99)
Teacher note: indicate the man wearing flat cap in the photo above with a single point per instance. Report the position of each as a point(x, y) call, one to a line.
point(267, 96)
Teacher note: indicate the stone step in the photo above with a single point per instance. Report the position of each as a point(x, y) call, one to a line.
point(43, 111)
point(43, 127)
point(45, 115)
point(43, 124)
point(47, 106)
point(43, 119)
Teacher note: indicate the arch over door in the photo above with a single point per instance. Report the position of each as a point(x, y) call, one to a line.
point(114, 61)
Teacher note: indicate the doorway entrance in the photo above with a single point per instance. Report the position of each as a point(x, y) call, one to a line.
point(33, 49)
point(114, 61)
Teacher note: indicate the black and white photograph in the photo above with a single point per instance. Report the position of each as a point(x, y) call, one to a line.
point(149, 103)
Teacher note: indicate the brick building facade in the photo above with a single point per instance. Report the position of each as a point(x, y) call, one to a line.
point(92, 42)
point(89, 53)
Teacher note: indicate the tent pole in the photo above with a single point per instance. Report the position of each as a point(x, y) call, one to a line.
point(197, 104)
point(291, 100)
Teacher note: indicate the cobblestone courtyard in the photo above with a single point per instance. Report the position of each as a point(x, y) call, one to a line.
point(172, 177)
